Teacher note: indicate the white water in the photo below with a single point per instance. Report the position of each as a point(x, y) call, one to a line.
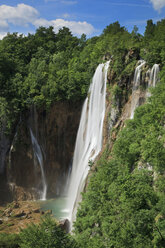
point(38, 154)
point(153, 79)
point(136, 90)
point(89, 138)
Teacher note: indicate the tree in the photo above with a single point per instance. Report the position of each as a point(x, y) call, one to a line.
point(45, 235)
point(149, 31)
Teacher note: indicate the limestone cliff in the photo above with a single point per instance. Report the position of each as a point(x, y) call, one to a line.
point(55, 131)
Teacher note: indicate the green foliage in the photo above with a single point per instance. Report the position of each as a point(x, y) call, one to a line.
point(120, 208)
point(153, 42)
point(116, 91)
point(46, 235)
point(150, 28)
point(129, 69)
point(124, 204)
point(113, 28)
point(9, 240)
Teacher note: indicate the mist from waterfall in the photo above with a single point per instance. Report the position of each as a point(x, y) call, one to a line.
point(89, 138)
point(38, 155)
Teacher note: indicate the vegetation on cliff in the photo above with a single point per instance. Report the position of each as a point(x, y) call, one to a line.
point(124, 202)
point(123, 206)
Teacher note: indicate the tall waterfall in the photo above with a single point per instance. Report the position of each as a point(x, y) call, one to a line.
point(38, 154)
point(136, 92)
point(89, 137)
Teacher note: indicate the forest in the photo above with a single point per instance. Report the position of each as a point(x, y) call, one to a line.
point(124, 203)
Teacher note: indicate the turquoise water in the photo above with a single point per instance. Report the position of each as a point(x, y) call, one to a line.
point(57, 206)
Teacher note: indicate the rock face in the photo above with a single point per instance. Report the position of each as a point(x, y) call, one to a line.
point(55, 131)
point(132, 91)
point(17, 215)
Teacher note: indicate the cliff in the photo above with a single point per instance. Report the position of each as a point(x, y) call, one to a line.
point(55, 132)
point(38, 156)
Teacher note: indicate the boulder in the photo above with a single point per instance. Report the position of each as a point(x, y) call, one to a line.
point(65, 225)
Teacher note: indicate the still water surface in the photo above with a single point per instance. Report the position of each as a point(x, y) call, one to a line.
point(57, 206)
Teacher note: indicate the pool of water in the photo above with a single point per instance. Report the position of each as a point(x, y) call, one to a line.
point(57, 206)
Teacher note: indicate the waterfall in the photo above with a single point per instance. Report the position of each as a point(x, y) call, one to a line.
point(153, 75)
point(154, 78)
point(136, 90)
point(38, 154)
point(89, 138)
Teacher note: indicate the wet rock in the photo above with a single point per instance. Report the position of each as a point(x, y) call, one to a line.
point(65, 225)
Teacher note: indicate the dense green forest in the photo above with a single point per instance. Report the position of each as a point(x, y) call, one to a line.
point(44, 67)
point(124, 205)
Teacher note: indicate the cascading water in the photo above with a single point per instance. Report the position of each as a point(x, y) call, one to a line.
point(154, 78)
point(89, 138)
point(153, 75)
point(38, 154)
point(136, 90)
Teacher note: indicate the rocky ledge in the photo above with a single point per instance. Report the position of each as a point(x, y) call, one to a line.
point(17, 215)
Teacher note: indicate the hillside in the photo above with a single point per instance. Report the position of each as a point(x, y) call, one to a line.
point(44, 79)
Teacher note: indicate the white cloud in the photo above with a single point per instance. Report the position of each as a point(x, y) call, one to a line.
point(158, 4)
point(2, 34)
point(20, 15)
point(42, 22)
point(76, 27)
point(23, 15)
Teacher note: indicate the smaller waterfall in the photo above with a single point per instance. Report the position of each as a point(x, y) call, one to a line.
point(136, 90)
point(12, 147)
point(154, 76)
point(89, 138)
point(38, 154)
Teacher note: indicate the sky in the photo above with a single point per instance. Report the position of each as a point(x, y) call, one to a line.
point(80, 16)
